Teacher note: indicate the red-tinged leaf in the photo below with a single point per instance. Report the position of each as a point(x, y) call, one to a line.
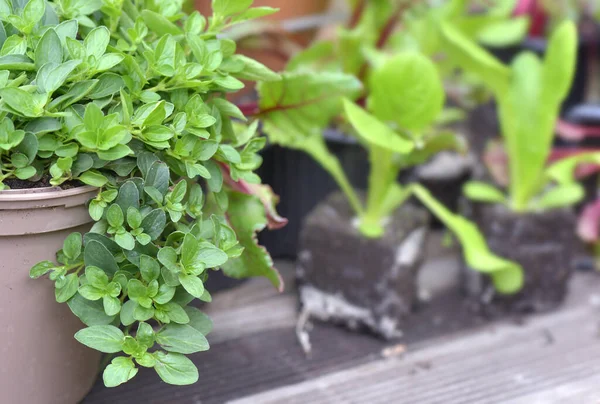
point(589, 223)
point(263, 192)
point(569, 131)
point(247, 217)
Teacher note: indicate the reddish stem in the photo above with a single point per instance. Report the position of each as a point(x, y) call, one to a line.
point(357, 14)
point(250, 108)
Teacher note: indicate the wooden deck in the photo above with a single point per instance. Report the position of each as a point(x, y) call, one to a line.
point(255, 358)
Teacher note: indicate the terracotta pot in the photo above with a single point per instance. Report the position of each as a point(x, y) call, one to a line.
point(41, 361)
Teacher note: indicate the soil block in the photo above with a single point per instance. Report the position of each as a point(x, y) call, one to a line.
point(347, 278)
point(545, 245)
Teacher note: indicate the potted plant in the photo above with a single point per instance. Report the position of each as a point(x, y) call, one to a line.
point(382, 26)
point(359, 254)
point(121, 104)
point(533, 223)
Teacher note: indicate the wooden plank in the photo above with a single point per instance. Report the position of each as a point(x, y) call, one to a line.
point(551, 359)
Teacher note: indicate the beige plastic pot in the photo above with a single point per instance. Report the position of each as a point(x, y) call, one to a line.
point(41, 361)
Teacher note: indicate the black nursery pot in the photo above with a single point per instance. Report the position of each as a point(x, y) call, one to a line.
point(302, 183)
point(544, 244)
point(349, 279)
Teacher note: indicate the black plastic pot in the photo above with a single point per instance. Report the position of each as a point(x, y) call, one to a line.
point(218, 282)
point(301, 184)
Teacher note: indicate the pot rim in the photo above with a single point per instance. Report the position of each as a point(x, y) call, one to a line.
point(39, 194)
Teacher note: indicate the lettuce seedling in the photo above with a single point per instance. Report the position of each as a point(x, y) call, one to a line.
point(391, 104)
point(529, 94)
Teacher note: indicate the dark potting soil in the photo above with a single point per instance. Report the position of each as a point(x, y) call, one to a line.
point(347, 278)
point(44, 182)
point(546, 246)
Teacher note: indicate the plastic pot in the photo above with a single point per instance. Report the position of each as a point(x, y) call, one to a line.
point(302, 183)
point(41, 361)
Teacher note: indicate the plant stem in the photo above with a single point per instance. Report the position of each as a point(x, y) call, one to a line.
point(357, 14)
point(318, 151)
point(381, 176)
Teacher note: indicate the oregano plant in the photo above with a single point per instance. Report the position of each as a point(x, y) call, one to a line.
point(130, 97)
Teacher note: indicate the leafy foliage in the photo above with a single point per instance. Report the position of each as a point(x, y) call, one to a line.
point(529, 94)
point(393, 114)
point(129, 97)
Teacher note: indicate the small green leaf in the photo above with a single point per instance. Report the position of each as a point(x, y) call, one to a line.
point(482, 192)
point(115, 216)
point(149, 268)
point(41, 269)
point(561, 196)
point(192, 284)
point(103, 338)
point(89, 312)
point(68, 290)
point(375, 132)
point(182, 339)
point(112, 305)
point(120, 370)
point(93, 178)
point(175, 369)
point(159, 24)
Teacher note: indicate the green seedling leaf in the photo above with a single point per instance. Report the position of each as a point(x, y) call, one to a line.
point(103, 338)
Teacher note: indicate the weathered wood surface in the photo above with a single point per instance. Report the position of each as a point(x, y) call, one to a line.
point(255, 358)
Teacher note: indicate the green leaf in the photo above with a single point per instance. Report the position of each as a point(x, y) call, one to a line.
point(504, 33)
point(176, 313)
point(165, 294)
point(192, 284)
point(302, 105)
point(120, 370)
point(40, 269)
point(68, 290)
point(89, 312)
point(560, 62)
point(149, 268)
point(408, 90)
point(482, 192)
point(175, 369)
point(97, 41)
point(109, 61)
point(26, 104)
point(103, 338)
point(49, 49)
point(159, 24)
point(112, 305)
point(199, 320)
point(154, 223)
point(33, 12)
point(158, 177)
point(561, 196)
point(375, 132)
point(125, 240)
point(72, 245)
point(507, 276)
point(127, 312)
point(247, 216)
point(475, 59)
point(115, 216)
point(255, 71)
point(230, 7)
point(96, 254)
point(182, 339)
point(93, 178)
